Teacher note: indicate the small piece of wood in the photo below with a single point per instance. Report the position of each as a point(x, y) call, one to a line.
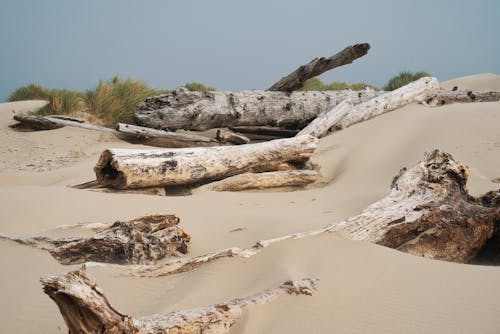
point(296, 79)
point(125, 168)
point(227, 136)
point(153, 137)
point(421, 89)
point(290, 178)
point(324, 122)
point(199, 111)
point(86, 310)
point(265, 130)
point(95, 186)
point(139, 241)
point(463, 96)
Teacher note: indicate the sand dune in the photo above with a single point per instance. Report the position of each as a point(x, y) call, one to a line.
point(364, 288)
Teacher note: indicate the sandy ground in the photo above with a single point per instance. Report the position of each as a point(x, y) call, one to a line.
point(364, 288)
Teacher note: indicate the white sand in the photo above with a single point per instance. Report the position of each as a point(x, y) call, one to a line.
point(364, 288)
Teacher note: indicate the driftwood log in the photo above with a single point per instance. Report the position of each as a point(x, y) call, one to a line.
point(184, 109)
point(54, 122)
point(228, 136)
point(296, 79)
point(86, 310)
point(139, 241)
point(154, 137)
point(464, 96)
point(246, 181)
point(325, 121)
point(265, 131)
point(428, 213)
point(125, 168)
point(422, 89)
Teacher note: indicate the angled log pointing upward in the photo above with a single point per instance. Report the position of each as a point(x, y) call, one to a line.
point(86, 310)
point(138, 241)
point(427, 213)
point(183, 109)
point(122, 168)
point(296, 79)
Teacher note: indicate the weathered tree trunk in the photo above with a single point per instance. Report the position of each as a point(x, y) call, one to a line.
point(125, 168)
point(427, 213)
point(227, 136)
point(183, 109)
point(139, 241)
point(265, 130)
point(421, 89)
point(86, 310)
point(161, 138)
point(464, 96)
point(296, 79)
point(324, 122)
point(245, 181)
point(55, 122)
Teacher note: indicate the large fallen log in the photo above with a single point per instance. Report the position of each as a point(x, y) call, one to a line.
point(422, 89)
point(246, 181)
point(184, 109)
point(427, 213)
point(86, 310)
point(125, 168)
point(139, 241)
point(296, 79)
point(464, 96)
point(154, 137)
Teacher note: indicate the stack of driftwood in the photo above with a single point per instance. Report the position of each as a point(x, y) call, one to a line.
point(263, 139)
point(278, 128)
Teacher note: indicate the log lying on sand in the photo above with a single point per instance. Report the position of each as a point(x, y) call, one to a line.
point(183, 109)
point(124, 168)
point(246, 181)
point(153, 137)
point(139, 241)
point(464, 96)
point(296, 79)
point(427, 213)
point(55, 122)
point(86, 310)
point(422, 89)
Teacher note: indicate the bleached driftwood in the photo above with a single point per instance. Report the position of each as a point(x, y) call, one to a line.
point(245, 181)
point(464, 96)
point(95, 186)
point(427, 213)
point(296, 79)
point(265, 131)
point(324, 122)
point(184, 109)
point(86, 310)
point(139, 241)
point(422, 89)
point(125, 168)
point(55, 122)
point(154, 137)
point(227, 136)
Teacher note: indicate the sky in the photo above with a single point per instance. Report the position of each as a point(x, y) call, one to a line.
point(233, 45)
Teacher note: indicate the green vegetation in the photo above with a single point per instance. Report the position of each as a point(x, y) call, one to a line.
point(319, 85)
point(61, 101)
point(114, 101)
point(404, 78)
point(198, 87)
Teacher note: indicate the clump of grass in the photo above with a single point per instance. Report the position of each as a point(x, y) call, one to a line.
point(114, 101)
point(318, 85)
point(198, 87)
point(404, 78)
point(61, 101)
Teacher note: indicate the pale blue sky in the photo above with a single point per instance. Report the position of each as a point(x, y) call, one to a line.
point(233, 44)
